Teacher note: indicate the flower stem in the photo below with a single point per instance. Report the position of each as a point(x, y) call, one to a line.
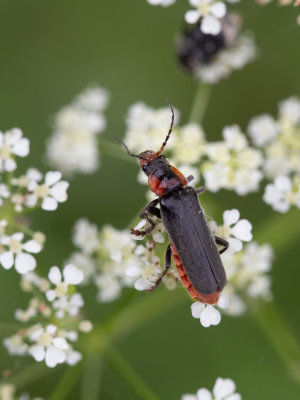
point(200, 103)
point(91, 378)
point(129, 375)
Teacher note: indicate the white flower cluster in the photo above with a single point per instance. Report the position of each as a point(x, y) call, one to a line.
point(280, 141)
point(73, 146)
point(31, 189)
point(44, 340)
point(230, 59)
point(7, 392)
point(224, 389)
point(232, 164)
point(112, 259)
point(163, 3)
point(246, 267)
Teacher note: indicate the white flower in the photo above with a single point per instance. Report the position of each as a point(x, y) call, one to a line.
point(247, 271)
point(232, 164)
point(188, 144)
point(12, 144)
point(71, 276)
point(17, 253)
point(283, 193)
point(68, 304)
point(290, 109)
point(52, 191)
point(48, 346)
point(86, 236)
point(207, 314)
point(73, 146)
point(147, 127)
point(263, 129)
point(163, 3)
point(234, 230)
point(210, 11)
point(224, 389)
point(232, 58)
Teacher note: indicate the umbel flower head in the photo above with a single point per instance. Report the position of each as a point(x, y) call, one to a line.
point(211, 57)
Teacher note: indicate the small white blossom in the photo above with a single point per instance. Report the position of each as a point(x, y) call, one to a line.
point(17, 253)
point(290, 109)
point(263, 129)
point(232, 164)
point(12, 144)
point(210, 11)
point(85, 263)
point(283, 193)
point(51, 192)
point(71, 275)
point(86, 236)
point(224, 389)
point(234, 230)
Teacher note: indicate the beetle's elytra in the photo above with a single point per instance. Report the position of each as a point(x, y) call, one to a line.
point(192, 244)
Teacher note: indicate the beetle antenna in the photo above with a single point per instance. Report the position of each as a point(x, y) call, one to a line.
point(124, 145)
point(170, 130)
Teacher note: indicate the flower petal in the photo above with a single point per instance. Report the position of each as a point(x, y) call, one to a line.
point(54, 356)
point(72, 275)
point(54, 275)
point(210, 316)
point(73, 358)
point(242, 230)
point(37, 352)
point(230, 217)
point(7, 259)
point(21, 148)
point(204, 394)
point(235, 245)
point(59, 191)
point(24, 263)
point(52, 177)
point(223, 388)
point(191, 16)
point(218, 9)
point(210, 25)
point(142, 284)
point(60, 343)
point(197, 309)
point(49, 204)
point(10, 165)
point(32, 246)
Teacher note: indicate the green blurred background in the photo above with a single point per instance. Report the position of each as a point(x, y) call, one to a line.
point(50, 51)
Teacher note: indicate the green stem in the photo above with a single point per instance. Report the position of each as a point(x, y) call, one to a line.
point(200, 103)
point(91, 378)
point(68, 380)
point(129, 375)
point(277, 330)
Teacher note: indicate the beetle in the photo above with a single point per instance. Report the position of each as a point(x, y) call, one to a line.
point(192, 244)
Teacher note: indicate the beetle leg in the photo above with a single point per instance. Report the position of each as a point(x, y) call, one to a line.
point(167, 267)
point(200, 190)
point(149, 210)
point(222, 242)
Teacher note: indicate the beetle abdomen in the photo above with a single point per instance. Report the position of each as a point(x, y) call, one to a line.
point(203, 298)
